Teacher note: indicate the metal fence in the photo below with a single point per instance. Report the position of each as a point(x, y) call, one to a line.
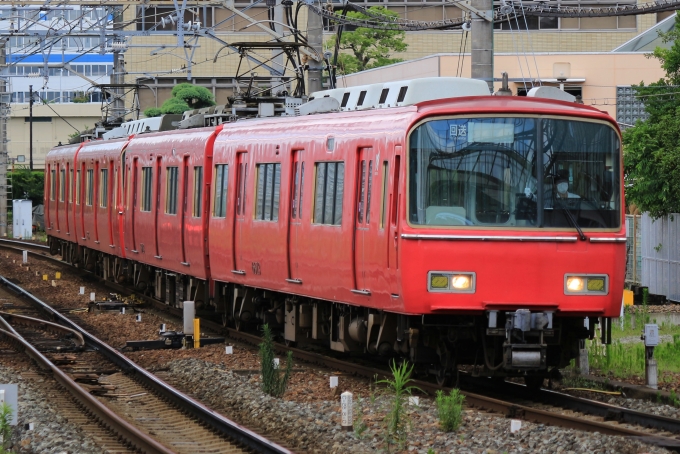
point(633, 250)
point(660, 247)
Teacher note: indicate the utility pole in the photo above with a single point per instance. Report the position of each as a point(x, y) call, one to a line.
point(4, 157)
point(482, 41)
point(118, 110)
point(30, 127)
point(315, 40)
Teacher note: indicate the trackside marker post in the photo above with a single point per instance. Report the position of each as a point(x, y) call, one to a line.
point(413, 401)
point(57, 275)
point(277, 361)
point(92, 296)
point(347, 410)
point(515, 425)
point(229, 350)
point(197, 333)
point(25, 256)
point(334, 382)
point(44, 277)
point(82, 290)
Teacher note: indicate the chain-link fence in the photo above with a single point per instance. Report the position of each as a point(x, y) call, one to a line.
point(633, 250)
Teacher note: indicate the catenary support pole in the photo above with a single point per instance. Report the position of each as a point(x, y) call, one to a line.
point(30, 127)
point(482, 42)
point(4, 158)
point(315, 40)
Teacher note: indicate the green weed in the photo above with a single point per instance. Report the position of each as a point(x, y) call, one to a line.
point(273, 382)
point(359, 424)
point(6, 413)
point(397, 420)
point(450, 409)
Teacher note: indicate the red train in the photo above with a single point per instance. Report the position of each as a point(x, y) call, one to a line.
point(474, 230)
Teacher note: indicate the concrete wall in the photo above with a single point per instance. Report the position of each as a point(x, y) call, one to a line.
point(47, 134)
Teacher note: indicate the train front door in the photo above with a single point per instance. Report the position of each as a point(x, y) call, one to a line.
point(393, 225)
point(239, 266)
point(295, 216)
point(363, 240)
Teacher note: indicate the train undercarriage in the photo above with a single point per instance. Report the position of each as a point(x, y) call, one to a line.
point(518, 343)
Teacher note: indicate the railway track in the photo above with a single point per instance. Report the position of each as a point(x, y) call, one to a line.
point(156, 418)
point(591, 416)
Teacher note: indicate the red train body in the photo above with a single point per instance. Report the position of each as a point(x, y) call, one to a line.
point(434, 231)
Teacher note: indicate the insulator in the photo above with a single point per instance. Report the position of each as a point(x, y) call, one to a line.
point(119, 45)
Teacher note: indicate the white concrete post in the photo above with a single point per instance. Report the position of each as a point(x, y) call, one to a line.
point(347, 409)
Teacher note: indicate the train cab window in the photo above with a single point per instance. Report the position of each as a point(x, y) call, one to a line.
point(147, 176)
point(103, 187)
point(171, 191)
point(220, 204)
point(62, 184)
point(268, 191)
point(328, 193)
point(53, 183)
point(89, 187)
point(77, 187)
point(506, 172)
point(198, 191)
point(70, 186)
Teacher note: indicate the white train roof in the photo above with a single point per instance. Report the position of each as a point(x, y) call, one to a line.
point(404, 92)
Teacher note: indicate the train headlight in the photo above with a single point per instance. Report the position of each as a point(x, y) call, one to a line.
point(586, 284)
point(451, 282)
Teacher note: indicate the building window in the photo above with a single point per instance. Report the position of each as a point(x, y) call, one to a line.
point(328, 192)
point(103, 187)
point(198, 191)
point(53, 183)
point(147, 176)
point(62, 184)
point(171, 191)
point(89, 187)
point(268, 191)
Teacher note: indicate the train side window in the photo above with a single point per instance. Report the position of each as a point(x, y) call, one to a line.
point(171, 191)
point(241, 202)
point(198, 191)
point(70, 186)
point(147, 177)
point(77, 187)
point(53, 183)
point(103, 187)
point(268, 191)
point(368, 193)
point(62, 184)
point(328, 192)
point(383, 197)
point(89, 187)
point(220, 204)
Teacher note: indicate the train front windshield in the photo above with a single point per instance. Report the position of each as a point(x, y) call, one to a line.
point(514, 172)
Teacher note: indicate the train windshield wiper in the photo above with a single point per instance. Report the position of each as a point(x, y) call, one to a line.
point(573, 222)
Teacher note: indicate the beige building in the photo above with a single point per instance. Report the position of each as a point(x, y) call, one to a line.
point(156, 63)
point(595, 76)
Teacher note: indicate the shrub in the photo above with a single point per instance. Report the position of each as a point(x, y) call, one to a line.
point(5, 427)
point(273, 382)
point(450, 409)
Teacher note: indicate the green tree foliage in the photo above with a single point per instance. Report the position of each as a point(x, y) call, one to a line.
point(153, 112)
point(274, 381)
point(652, 147)
point(26, 182)
point(184, 97)
point(369, 48)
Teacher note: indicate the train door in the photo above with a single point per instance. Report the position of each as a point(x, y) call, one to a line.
point(157, 211)
point(362, 219)
point(393, 219)
point(133, 208)
point(95, 200)
point(81, 197)
point(240, 213)
point(67, 196)
point(58, 195)
point(109, 203)
point(185, 205)
point(295, 214)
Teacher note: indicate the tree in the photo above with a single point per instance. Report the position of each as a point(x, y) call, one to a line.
point(184, 97)
point(32, 184)
point(652, 147)
point(369, 48)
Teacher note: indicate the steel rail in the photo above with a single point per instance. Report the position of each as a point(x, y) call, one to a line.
point(53, 328)
point(593, 407)
point(507, 409)
point(221, 424)
point(130, 433)
point(24, 243)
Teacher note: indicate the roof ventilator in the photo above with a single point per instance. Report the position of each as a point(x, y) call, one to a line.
point(317, 106)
